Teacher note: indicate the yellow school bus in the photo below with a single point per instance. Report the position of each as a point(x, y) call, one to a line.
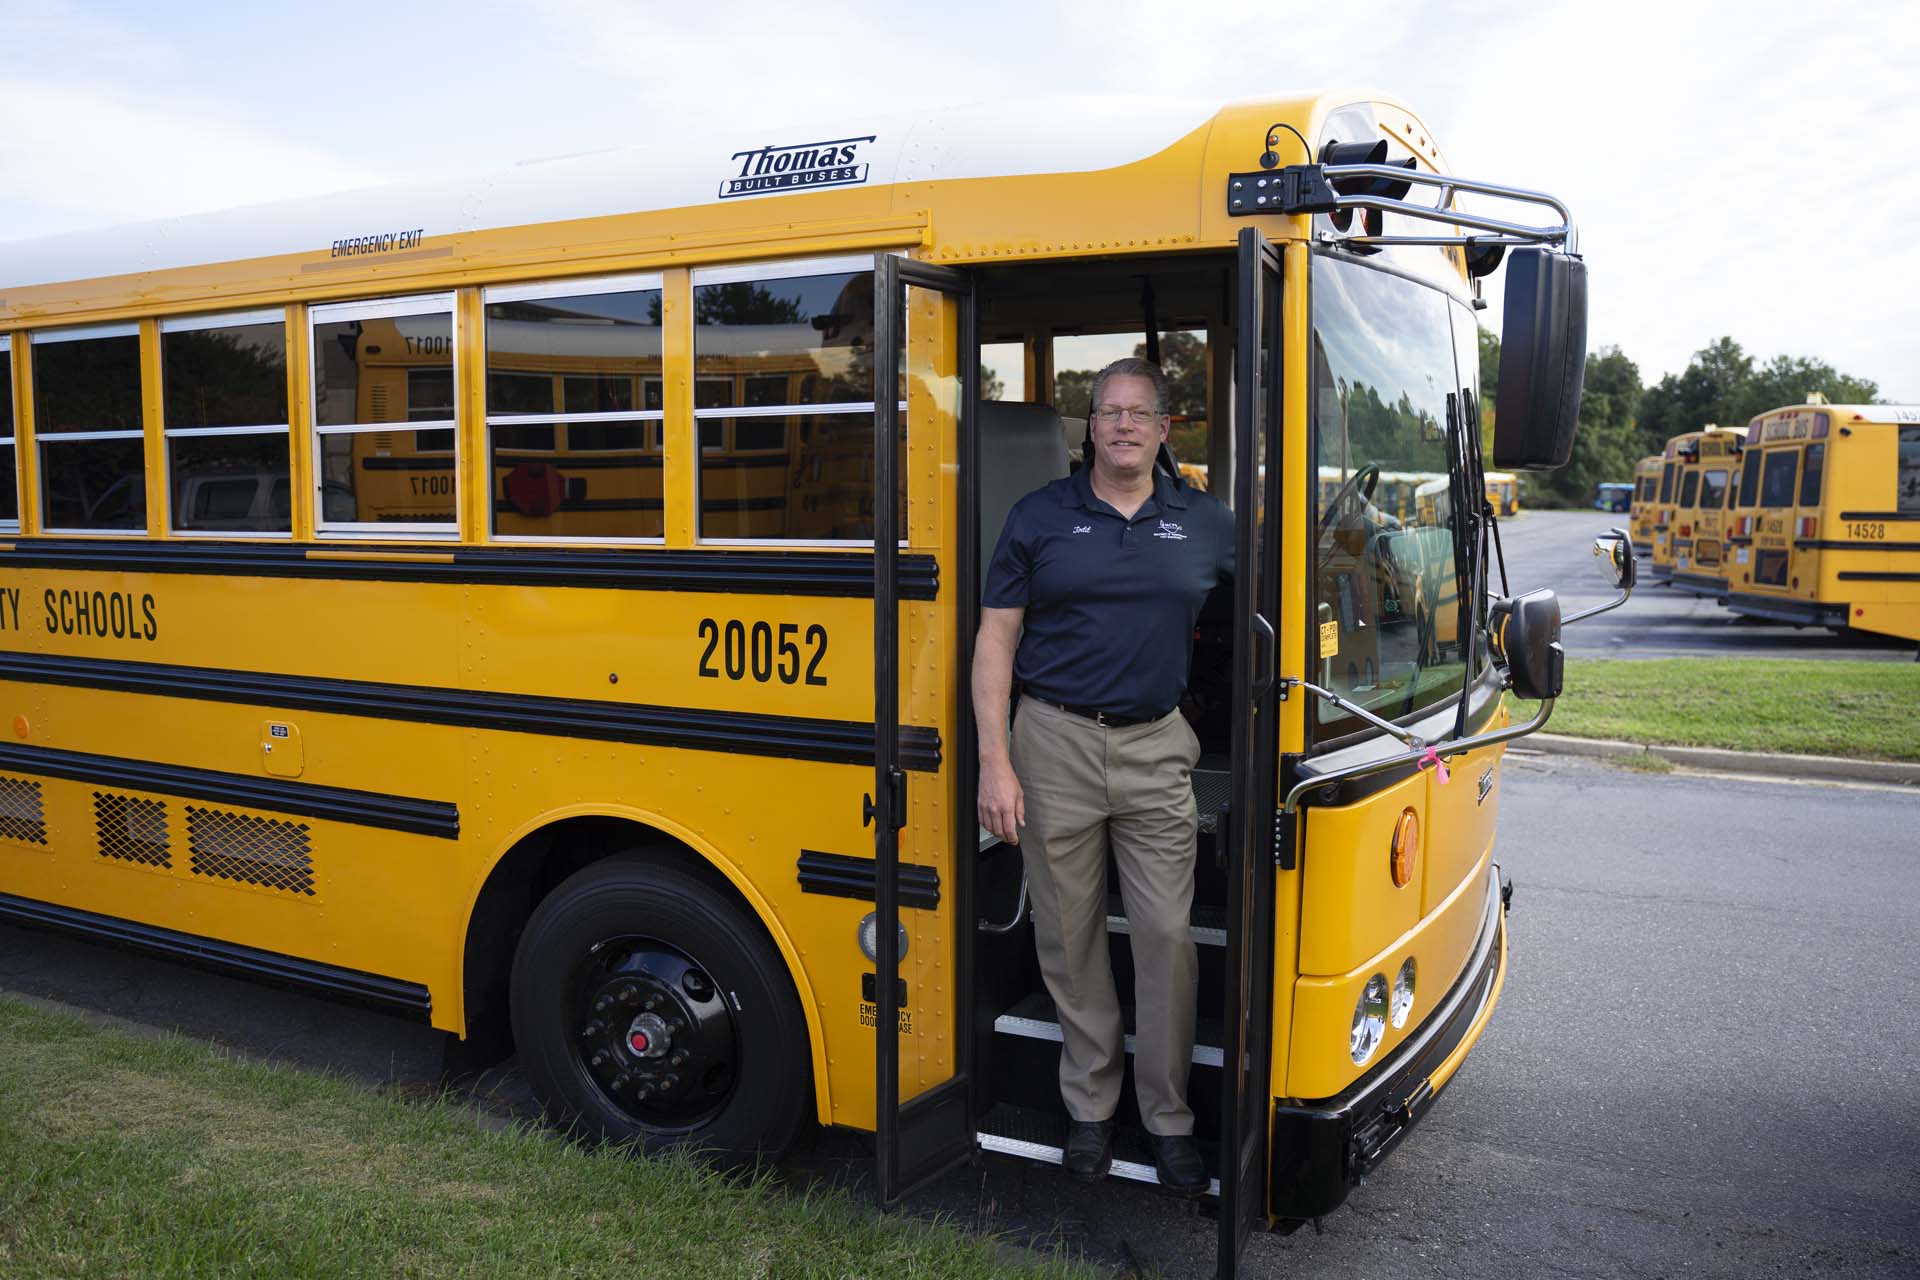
point(1503, 491)
point(544, 608)
point(1679, 459)
point(1826, 523)
point(1646, 493)
point(1699, 518)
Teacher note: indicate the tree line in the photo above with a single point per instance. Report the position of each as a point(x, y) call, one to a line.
point(1622, 420)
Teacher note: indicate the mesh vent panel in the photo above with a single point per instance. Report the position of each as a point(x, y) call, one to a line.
point(22, 815)
point(132, 830)
point(251, 850)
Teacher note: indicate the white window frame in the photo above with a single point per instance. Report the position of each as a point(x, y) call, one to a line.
point(381, 309)
point(650, 420)
point(786, 269)
point(11, 439)
point(85, 333)
point(200, 324)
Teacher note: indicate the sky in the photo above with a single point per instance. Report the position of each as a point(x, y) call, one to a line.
point(1739, 169)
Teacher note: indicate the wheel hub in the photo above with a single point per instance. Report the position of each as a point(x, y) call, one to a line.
point(654, 1033)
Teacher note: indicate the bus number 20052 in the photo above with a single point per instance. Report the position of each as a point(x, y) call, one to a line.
point(753, 649)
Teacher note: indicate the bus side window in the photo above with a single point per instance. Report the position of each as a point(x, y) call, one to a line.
point(1810, 476)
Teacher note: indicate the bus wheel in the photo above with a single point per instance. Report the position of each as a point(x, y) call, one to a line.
point(649, 1008)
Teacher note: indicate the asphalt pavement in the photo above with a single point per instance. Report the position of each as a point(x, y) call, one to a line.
point(1703, 1062)
point(1554, 549)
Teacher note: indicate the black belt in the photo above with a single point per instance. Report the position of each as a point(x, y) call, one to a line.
point(1105, 719)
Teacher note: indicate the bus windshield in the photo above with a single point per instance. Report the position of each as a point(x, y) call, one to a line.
point(1387, 581)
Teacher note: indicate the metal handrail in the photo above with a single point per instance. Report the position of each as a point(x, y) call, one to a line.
point(1441, 750)
point(1565, 235)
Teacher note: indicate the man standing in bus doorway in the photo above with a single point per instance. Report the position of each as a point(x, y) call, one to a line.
point(1090, 601)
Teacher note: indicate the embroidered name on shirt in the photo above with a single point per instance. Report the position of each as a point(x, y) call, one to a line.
point(1083, 528)
point(1168, 529)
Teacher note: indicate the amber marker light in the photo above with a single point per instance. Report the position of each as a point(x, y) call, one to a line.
point(1406, 848)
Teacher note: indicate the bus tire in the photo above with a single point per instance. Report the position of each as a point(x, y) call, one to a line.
point(651, 1009)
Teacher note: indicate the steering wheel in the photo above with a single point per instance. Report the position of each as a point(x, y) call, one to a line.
point(1361, 483)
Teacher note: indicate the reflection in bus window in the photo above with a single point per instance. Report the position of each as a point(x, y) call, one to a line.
point(1387, 584)
point(1713, 490)
point(9, 468)
point(1810, 475)
point(1689, 489)
point(1776, 482)
point(1750, 478)
point(802, 343)
point(1908, 484)
point(90, 387)
point(378, 366)
point(571, 455)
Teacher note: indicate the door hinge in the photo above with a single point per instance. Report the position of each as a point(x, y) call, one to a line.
point(1283, 851)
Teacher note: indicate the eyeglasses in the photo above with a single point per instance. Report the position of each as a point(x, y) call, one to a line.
point(1108, 415)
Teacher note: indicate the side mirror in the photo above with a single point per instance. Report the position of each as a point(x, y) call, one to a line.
point(1615, 551)
point(1526, 639)
point(1543, 360)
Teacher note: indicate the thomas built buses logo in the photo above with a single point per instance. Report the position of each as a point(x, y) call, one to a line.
point(836, 163)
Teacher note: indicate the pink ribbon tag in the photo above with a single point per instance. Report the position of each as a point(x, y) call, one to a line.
point(1440, 774)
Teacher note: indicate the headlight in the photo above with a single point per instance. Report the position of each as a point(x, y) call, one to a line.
point(1369, 1019)
point(1403, 994)
point(869, 935)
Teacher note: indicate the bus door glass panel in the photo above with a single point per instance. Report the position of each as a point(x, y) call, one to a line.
point(572, 455)
point(89, 428)
point(383, 416)
point(784, 362)
point(223, 392)
point(1387, 586)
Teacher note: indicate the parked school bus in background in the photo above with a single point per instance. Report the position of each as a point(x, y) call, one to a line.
point(600, 690)
point(1646, 496)
point(1700, 512)
point(1679, 459)
point(1503, 491)
point(1826, 522)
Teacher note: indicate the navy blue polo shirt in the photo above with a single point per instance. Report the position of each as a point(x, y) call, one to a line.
point(1110, 602)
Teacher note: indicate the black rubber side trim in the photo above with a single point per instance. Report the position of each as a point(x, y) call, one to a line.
point(839, 876)
point(1848, 576)
point(351, 986)
point(1880, 515)
point(794, 737)
point(783, 573)
point(1836, 544)
point(334, 804)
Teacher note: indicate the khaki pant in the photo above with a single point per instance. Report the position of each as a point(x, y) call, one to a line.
point(1088, 786)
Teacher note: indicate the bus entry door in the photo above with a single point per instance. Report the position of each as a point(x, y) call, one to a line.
point(1246, 1092)
point(924, 334)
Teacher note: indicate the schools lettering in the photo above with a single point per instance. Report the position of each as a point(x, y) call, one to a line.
point(107, 615)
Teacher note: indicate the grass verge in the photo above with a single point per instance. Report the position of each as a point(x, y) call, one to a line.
point(1862, 710)
point(127, 1156)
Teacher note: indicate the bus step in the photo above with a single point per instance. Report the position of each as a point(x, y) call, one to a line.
point(1032, 1134)
point(1209, 923)
point(1212, 788)
point(1035, 1018)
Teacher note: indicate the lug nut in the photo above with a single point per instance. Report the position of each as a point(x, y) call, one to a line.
point(670, 1082)
point(678, 1060)
point(677, 1025)
point(598, 1060)
point(592, 1029)
point(653, 1002)
point(629, 993)
point(602, 1005)
point(621, 1081)
point(642, 1093)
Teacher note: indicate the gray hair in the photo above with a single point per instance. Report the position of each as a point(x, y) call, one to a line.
point(1130, 367)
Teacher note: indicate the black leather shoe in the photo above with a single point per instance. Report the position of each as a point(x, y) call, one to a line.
point(1176, 1159)
point(1089, 1152)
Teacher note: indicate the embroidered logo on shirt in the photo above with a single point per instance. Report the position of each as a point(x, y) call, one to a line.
point(1168, 529)
point(1083, 528)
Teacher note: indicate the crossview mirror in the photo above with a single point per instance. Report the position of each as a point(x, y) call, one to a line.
point(1615, 553)
point(1525, 631)
point(1543, 357)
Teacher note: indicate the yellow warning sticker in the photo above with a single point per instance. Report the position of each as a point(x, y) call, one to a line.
point(1329, 639)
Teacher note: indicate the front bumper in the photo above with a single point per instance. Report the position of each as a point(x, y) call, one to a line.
point(1322, 1150)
